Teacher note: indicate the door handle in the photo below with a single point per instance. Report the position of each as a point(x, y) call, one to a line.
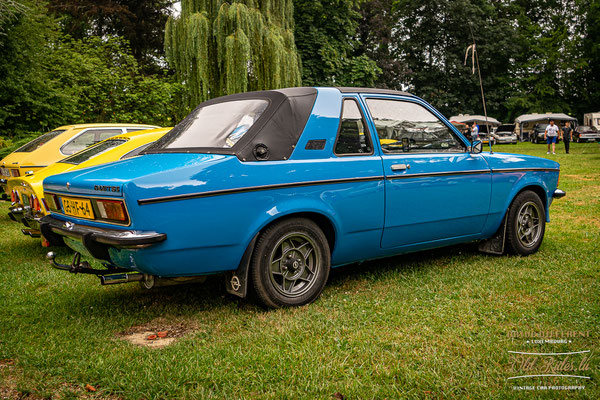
point(400, 167)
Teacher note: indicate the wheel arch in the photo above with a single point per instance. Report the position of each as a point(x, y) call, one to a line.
point(236, 281)
point(322, 221)
point(538, 189)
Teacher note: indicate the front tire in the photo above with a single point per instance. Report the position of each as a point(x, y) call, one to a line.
point(291, 263)
point(526, 224)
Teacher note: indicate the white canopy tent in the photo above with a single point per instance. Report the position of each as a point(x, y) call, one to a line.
point(525, 123)
point(543, 117)
point(480, 119)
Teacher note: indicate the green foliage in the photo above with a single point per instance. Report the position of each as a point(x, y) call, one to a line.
point(221, 47)
point(140, 23)
point(534, 56)
point(25, 87)
point(48, 80)
point(325, 37)
point(431, 40)
point(101, 82)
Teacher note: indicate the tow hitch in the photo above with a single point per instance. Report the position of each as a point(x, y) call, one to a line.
point(109, 276)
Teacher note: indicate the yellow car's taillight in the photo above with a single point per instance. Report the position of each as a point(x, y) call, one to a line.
point(113, 210)
point(51, 202)
point(35, 203)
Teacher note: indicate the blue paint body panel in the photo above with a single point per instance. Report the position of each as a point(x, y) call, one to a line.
point(457, 197)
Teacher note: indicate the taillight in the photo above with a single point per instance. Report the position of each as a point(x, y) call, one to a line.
point(51, 202)
point(113, 210)
point(15, 173)
point(13, 196)
point(35, 203)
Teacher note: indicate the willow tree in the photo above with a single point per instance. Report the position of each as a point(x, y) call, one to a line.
point(219, 47)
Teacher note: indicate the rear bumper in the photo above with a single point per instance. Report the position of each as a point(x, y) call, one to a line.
point(98, 240)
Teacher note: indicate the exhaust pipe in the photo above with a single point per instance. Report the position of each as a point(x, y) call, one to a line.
point(114, 279)
point(34, 233)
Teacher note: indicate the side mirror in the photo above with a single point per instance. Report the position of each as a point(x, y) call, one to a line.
point(476, 147)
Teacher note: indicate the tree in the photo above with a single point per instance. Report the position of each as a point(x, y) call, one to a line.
point(376, 40)
point(47, 80)
point(326, 38)
point(431, 40)
point(219, 47)
point(140, 23)
point(25, 88)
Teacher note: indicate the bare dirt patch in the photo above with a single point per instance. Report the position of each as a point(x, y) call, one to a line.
point(157, 333)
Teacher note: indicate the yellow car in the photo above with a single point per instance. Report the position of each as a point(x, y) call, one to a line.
point(55, 145)
point(27, 194)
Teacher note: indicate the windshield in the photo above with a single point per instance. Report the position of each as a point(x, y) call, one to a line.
point(219, 125)
point(38, 142)
point(505, 128)
point(93, 151)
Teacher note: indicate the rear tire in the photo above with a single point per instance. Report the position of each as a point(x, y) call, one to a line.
point(291, 263)
point(526, 224)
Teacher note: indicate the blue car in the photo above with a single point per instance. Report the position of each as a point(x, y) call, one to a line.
point(274, 188)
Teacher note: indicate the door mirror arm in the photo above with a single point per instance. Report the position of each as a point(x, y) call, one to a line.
point(476, 147)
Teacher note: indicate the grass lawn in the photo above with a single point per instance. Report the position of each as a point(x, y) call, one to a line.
point(435, 324)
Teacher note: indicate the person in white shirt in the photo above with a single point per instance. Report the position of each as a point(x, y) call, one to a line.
point(474, 132)
point(551, 134)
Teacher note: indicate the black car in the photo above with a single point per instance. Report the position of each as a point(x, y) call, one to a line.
point(537, 135)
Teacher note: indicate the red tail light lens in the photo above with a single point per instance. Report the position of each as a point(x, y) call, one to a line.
point(35, 203)
point(113, 210)
point(13, 196)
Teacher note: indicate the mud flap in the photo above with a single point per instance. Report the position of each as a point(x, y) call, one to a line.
point(495, 244)
point(236, 282)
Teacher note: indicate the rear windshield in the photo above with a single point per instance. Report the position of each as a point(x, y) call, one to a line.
point(219, 125)
point(93, 151)
point(88, 138)
point(39, 141)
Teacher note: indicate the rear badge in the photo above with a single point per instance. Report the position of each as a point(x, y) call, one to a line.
point(68, 186)
point(103, 188)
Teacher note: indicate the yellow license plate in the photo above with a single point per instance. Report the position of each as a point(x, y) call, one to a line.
point(78, 207)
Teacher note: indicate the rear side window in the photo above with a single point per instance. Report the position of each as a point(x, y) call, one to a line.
point(137, 151)
point(353, 138)
point(404, 126)
point(40, 141)
point(88, 138)
point(93, 151)
point(219, 125)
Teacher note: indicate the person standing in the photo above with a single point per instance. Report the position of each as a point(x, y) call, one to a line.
point(474, 132)
point(567, 135)
point(550, 135)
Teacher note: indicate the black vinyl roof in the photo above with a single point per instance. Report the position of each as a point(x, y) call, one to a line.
point(272, 137)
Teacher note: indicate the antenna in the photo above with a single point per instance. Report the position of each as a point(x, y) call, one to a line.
point(475, 61)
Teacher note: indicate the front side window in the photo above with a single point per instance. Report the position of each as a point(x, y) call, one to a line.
point(39, 141)
point(88, 138)
point(93, 151)
point(219, 125)
point(409, 127)
point(352, 137)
